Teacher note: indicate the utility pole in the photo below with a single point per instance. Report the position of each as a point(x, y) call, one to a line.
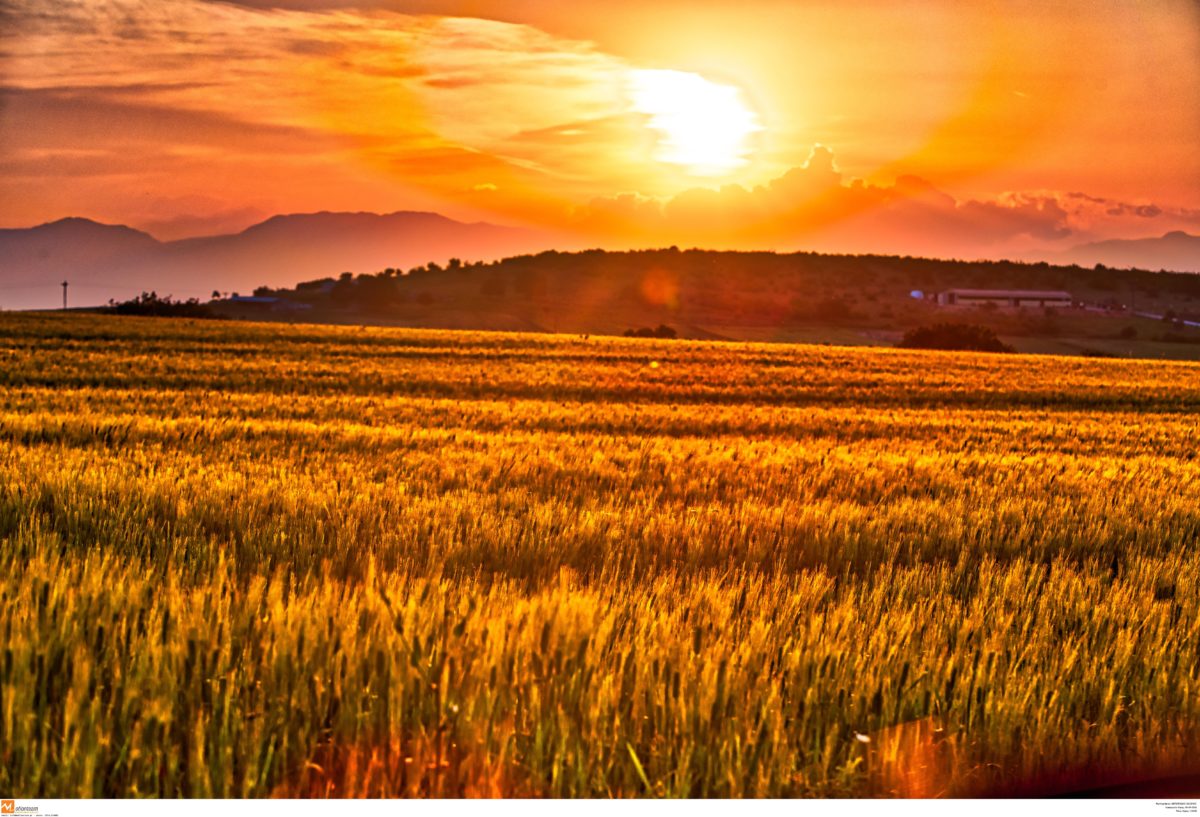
point(64, 296)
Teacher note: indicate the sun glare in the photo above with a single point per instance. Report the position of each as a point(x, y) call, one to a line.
point(701, 125)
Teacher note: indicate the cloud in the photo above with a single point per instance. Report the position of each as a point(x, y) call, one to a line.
point(196, 216)
point(194, 94)
point(124, 116)
point(1040, 217)
point(1114, 208)
point(815, 207)
point(1100, 217)
point(470, 80)
point(315, 104)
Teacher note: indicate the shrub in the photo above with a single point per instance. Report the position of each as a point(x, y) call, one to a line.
point(954, 336)
point(149, 303)
point(662, 331)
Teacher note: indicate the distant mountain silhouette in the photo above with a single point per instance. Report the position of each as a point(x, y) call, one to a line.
point(69, 242)
point(104, 261)
point(107, 261)
point(1176, 251)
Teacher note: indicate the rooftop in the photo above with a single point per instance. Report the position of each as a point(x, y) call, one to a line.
point(1010, 293)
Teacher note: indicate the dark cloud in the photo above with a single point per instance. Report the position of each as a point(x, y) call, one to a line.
point(1039, 217)
point(126, 92)
point(457, 81)
point(299, 5)
point(307, 47)
point(402, 6)
point(1118, 208)
point(49, 120)
point(1140, 210)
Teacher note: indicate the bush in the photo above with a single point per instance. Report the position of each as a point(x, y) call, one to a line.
point(955, 337)
point(663, 331)
point(149, 303)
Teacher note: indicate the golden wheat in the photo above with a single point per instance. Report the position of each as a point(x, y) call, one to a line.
point(242, 560)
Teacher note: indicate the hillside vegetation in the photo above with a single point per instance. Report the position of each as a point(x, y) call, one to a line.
point(799, 297)
point(250, 559)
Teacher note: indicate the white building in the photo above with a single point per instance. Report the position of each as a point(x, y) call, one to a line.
point(1004, 298)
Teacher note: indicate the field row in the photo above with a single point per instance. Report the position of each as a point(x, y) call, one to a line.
point(246, 560)
point(965, 680)
point(257, 359)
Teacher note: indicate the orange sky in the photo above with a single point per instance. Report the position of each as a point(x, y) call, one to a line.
point(1010, 124)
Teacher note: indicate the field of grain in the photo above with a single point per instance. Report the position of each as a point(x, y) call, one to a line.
point(246, 560)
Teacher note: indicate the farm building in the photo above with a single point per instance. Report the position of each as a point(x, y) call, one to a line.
point(263, 303)
point(1004, 298)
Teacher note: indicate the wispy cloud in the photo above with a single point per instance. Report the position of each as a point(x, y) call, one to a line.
point(188, 115)
point(423, 98)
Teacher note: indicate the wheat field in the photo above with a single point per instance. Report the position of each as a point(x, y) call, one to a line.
point(244, 560)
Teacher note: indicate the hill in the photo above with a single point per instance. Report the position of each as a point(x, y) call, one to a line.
point(63, 245)
point(105, 261)
point(798, 297)
point(1175, 250)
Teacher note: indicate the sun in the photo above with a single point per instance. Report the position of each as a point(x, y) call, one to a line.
point(702, 126)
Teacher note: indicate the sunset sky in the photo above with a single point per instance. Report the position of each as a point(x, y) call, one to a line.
point(943, 127)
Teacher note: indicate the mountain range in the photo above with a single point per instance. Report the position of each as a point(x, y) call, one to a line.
point(1176, 251)
point(103, 261)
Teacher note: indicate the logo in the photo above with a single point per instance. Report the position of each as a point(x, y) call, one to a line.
point(8, 806)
